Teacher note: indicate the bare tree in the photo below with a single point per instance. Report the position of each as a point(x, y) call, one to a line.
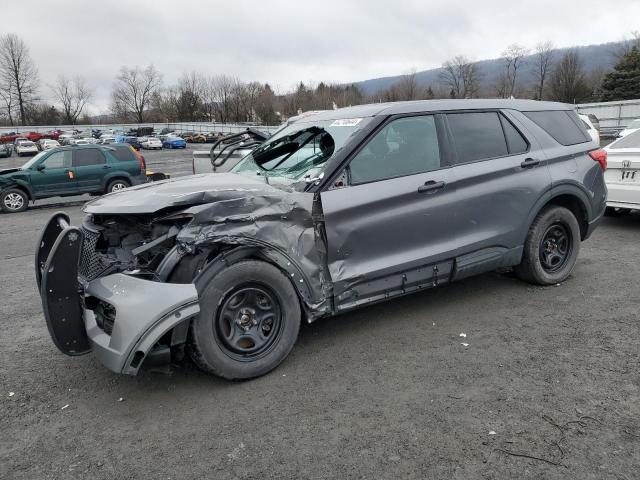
point(133, 90)
point(513, 60)
point(7, 97)
point(73, 94)
point(18, 73)
point(542, 65)
point(568, 81)
point(408, 86)
point(460, 77)
point(627, 44)
point(217, 97)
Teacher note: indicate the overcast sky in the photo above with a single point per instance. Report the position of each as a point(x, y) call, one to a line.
point(283, 42)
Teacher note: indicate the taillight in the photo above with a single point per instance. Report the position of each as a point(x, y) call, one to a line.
point(143, 167)
point(600, 156)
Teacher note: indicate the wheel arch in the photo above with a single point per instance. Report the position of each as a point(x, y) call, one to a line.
point(20, 186)
point(571, 197)
point(284, 263)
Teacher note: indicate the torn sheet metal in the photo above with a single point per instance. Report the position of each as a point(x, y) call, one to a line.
point(230, 209)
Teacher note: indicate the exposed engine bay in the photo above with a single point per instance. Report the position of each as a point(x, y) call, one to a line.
point(127, 243)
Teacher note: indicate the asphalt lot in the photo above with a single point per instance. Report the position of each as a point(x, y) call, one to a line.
point(385, 392)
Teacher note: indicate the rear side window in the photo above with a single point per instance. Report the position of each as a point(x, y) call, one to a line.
point(477, 136)
point(88, 156)
point(515, 141)
point(563, 125)
point(124, 154)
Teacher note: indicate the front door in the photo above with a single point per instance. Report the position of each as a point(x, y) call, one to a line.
point(392, 227)
point(53, 175)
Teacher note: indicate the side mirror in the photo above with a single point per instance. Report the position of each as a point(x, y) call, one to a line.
point(41, 167)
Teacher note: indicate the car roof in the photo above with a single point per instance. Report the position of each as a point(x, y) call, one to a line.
point(393, 108)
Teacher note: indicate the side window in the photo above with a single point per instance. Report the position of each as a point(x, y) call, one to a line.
point(405, 146)
point(563, 125)
point(58, 160)
point(124, 154)
point(515, 141)
point(477, 136)
point(88, 156)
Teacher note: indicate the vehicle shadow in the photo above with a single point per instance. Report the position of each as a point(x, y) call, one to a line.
point(630, 221)
point(417, 310)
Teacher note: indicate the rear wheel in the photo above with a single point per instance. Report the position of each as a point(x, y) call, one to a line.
point(117, 185)
point(14, 200)
point(551, 248)
point(248, 323)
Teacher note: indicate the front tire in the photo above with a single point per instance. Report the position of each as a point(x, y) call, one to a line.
point(551, 248)
point(248, 323)
point(14, 200)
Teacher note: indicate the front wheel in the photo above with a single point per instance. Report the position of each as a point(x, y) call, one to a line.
point(14, 200)
point(248, 323)
point(551, 248)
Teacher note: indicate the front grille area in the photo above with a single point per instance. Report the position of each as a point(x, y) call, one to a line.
point(90, 265)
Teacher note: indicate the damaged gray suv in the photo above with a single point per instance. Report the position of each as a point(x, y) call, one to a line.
point(338, 210)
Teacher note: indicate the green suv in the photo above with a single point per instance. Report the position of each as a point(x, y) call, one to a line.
point(72, 170)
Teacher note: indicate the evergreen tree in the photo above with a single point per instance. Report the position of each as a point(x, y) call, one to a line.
point(623, 83)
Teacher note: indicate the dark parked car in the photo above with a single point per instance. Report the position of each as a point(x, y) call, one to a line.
point(6, 150)
point(336, 211)
point(68, 171)
point(133, 141)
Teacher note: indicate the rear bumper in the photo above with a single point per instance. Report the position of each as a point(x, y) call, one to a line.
point(623, 195)
point(141, 311)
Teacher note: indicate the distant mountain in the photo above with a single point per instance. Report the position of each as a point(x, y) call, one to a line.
point(593, 56)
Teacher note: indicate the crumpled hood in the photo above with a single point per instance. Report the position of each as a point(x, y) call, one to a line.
point(184, 191)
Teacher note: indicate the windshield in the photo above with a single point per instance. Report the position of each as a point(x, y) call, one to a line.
point(634, 124)
point(299, 151)
point(27, 144)
point(33, 160)
point(630, 141)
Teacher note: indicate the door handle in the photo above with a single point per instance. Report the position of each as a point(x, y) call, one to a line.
point(529, 162)
point(430, 186)
point(106, 167)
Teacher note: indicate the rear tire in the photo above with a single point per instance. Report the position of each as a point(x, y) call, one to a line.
point(551, 247)
point(248, 323)
point(14, 200)
point(117, 185)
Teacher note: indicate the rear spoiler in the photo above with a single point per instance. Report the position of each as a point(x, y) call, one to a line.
point(235, 141)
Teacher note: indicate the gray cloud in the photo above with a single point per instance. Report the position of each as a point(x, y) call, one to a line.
point(283, 42)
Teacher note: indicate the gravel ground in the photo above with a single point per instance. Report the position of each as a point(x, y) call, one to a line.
point(547, 387)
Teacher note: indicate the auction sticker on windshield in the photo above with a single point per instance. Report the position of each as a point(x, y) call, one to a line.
point(346, 122)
